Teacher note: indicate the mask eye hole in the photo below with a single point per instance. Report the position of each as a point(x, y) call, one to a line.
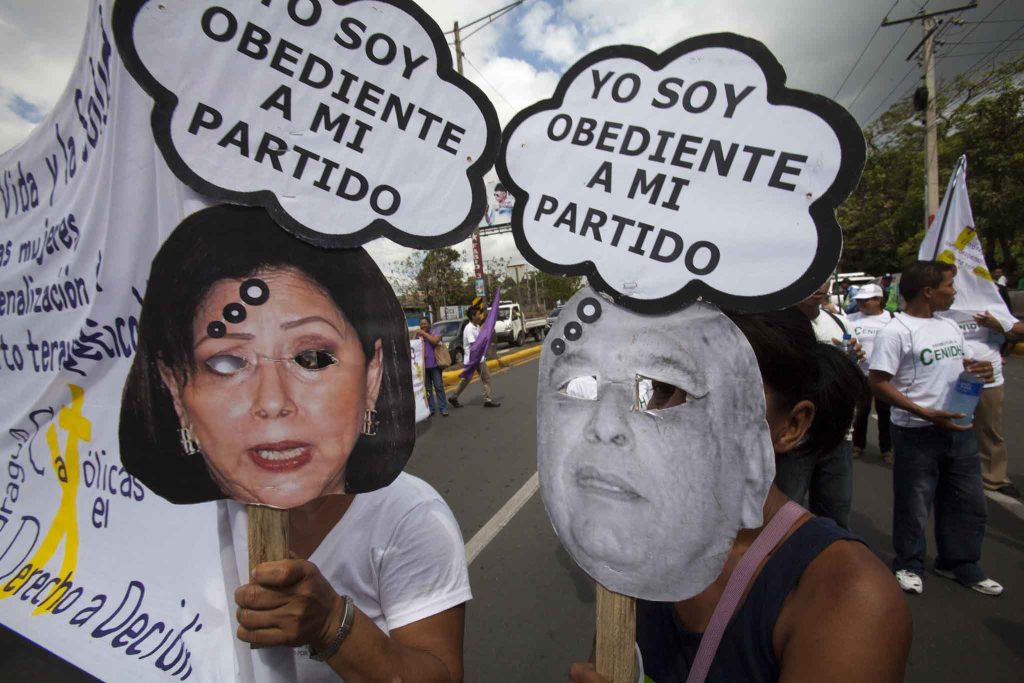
point(226, 364)
point(584, 387)
point(653, 394)
point(314, 359)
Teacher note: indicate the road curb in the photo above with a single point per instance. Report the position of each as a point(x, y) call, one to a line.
point(451, 377)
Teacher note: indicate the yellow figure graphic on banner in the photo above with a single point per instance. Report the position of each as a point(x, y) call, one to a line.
point(65, 521)
point(964, 238)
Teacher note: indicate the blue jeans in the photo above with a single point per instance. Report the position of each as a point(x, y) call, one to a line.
point(826, 479)
point(435, 385)
point(941, 468)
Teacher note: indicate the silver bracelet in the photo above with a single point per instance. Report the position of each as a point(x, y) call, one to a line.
point(339, 636)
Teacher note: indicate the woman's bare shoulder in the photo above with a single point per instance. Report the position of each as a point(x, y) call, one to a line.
point(847, 614)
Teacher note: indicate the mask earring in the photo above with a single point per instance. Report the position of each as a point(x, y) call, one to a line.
point(370, 423)
point(189, 443)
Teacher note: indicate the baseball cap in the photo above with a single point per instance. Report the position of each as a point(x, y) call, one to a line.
point(869, 292)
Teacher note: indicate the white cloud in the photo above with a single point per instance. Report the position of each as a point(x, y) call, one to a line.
point(543, 32)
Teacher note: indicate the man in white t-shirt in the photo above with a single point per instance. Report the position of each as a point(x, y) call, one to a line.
point(985, 334)
point(914, 365)
point(826, 480)
point(469, 335)
point(865, 324)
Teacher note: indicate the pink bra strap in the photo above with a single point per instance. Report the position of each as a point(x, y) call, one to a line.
point(780, 524)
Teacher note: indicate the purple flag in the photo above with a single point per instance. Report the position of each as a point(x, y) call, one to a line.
point(483, 340)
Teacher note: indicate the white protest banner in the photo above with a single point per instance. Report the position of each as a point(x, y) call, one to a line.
point(419, 388)
point(345, 120)
point(90, 560)
point(94, 566)
point(690, 173)
point(953, 239)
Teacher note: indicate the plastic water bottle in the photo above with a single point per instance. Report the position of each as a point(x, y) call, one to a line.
point(965, 396)
point(846, 346)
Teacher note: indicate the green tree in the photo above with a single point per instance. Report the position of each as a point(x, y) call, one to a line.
point(433, 278)
point(981, 116)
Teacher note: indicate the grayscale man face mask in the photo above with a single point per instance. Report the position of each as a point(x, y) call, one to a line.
point(648, 499)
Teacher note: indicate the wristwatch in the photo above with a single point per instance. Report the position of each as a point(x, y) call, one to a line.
point(339, 636)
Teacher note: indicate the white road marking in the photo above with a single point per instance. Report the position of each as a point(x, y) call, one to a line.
point(502, 517)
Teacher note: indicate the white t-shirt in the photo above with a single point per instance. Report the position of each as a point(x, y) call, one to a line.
point(469, 336)
point(982, 343)
point(924, 356)
point(865, 328)
point(826, 328)
point(397, 551)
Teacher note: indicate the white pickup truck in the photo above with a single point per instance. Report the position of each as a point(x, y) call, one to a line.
point(513, 328)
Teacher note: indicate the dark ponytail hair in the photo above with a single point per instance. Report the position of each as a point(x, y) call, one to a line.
point(796, 367)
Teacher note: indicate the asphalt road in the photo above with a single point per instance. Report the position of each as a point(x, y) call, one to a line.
point(533, 610)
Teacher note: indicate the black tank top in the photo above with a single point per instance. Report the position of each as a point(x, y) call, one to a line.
point(746, 652)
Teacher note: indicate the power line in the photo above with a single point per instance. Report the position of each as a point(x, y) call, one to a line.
point(864, 51)
point(493, 19)
point(996, 21)
point(894, 89)
point(967, 35)
point(488, 16)
point(879, 67)
point(994, 52)
point(976, 54)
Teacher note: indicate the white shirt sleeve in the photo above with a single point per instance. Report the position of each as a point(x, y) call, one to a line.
point(469, 335)
point(888, 350)
point(423, 571)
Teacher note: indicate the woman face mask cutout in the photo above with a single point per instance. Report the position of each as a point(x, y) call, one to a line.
point(652, 443)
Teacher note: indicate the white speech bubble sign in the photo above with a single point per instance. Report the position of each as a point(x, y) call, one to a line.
point(693, 173)
point(344, 118)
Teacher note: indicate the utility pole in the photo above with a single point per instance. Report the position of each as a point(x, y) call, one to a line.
point(478, 253)
point(931, 146)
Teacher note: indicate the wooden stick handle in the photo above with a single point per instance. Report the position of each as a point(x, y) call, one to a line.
point(268, 535)
point(616, 635)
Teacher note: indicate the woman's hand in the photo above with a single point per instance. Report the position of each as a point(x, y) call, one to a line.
point(288, 602)
point(584, 672)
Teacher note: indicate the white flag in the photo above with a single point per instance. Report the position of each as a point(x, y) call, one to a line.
point(953, 239)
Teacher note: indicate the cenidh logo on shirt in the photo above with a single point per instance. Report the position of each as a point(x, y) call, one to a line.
point(941, 351)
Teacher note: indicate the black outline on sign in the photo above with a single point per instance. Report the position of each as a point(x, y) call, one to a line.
point(165, 102)
point(822, 210)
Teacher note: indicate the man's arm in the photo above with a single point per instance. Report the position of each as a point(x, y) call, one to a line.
point(881, 385)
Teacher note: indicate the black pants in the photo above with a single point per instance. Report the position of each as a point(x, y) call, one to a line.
point(860, 423)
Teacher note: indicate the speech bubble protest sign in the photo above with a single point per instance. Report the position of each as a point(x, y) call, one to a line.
point(689, 174)
point(344, 119)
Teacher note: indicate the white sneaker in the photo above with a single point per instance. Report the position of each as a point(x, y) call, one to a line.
point(985, 586)
point(909, 581)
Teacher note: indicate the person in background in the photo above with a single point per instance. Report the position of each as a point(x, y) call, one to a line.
point(824, 480)
point(1000, 279)
point(432, 371)
point(866, 323)
point(475, 314)
point(985, 335)
point(914, 365)
point(850, 291)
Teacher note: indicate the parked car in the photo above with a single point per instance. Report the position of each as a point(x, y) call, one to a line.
point(551, 317)
point(512, 327)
